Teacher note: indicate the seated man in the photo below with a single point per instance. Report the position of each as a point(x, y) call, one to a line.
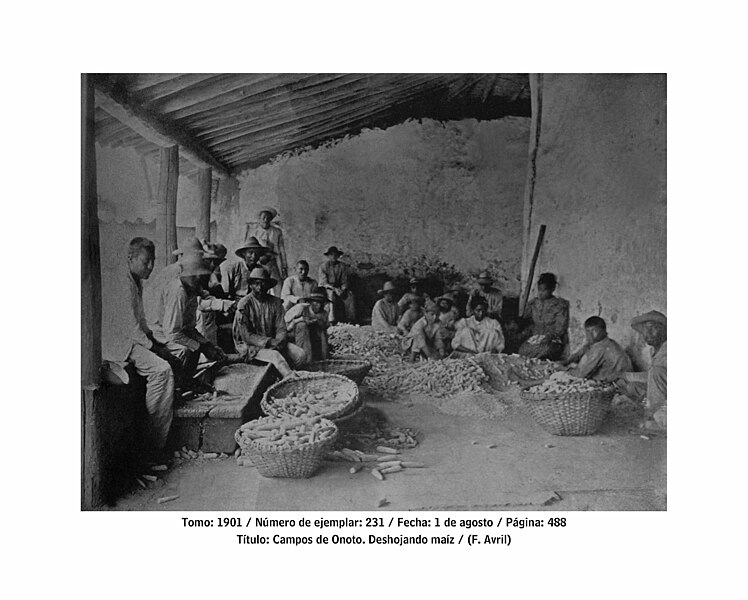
point(478, 333)
point(458, 297)
point(601, 358)
point(334, 276)
point(384, 313)
point(307, 324)
point(260, 330)
point(212, 303)
point(410, 316)
point(494, 297)
point(650, 387)
point(235, 274)
point(128, 339)
point(415, 292)
point(448, 317)
point(299, 286)
point(175, 316)
point(424, 339)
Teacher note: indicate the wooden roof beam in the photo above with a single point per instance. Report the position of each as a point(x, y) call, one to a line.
point(157, 131)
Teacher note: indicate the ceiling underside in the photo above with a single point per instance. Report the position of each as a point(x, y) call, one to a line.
point(239, 121)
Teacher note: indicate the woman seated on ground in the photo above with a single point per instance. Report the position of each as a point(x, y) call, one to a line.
point(549, 332)
point(478, 333)
point(424, 340)
point(410, 316)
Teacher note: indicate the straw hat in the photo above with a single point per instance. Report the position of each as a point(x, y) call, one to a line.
point(194, 246)
point(445, 298)
point(251, 243)
point(414, 280)
point(387, 287)
point(653, 315)
point(193, 264)
point(269, 209)
point(262, 275)
point(319, 294)
point(485, 277)
point(333, 250)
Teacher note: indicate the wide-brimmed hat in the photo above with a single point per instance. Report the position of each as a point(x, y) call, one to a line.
point(333, 250)
point(652, 315)
point(262, 275)
point(446, 298)
point(319, 294)
point(414, 280)
point(251, 243)
point(387, 287)
point(194, 246)
point(193, 264)
point(268, 209)
point(485, 277)
point(455, 287)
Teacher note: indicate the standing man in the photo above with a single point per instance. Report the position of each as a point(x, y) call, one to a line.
point(385, 312)
point(334, 277)
point(235, 274)
point(271, 237)
point(601, 358)
point(494, 297)
point(128, 339)
point(299, 286)
point(478, 333)
point(259, 328)
point(307, 324)
point(650, 387)
point(174, 323)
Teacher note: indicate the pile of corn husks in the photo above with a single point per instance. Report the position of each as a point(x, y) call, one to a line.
point(437, 378)
point(505, 370)
point(563, 382)
point(380, 349)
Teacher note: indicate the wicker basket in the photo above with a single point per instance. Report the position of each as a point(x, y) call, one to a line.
point(298, 463)
point(579, 413)
point(355, 369)
point(314, 383)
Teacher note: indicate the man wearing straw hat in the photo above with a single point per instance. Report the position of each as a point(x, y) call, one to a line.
point(650, 387)
point(174, 320)
point(260, 330)
point(271, 237)
point(334, 276)
point(415, 292)
point(385, 312)
point(307, 324)
point(212, 302)
point(494, 297)
point(235, 274)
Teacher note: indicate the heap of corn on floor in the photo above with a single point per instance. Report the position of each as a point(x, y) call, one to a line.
point(528, 469)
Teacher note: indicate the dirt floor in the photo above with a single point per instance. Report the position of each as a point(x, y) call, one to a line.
point(529, 469)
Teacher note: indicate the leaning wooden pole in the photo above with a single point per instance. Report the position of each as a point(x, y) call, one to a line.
point(166, 216)
point(531, 274)
point(205, 193)
point(91, 460)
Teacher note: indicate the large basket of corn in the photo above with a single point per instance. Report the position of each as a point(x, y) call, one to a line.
point(286, 447)
point(566, 405)
point(353, 368)
point(309, 394)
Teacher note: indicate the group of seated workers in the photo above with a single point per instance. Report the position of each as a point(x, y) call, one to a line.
point(172, 324)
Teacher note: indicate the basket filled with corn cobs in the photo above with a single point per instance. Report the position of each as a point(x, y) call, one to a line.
point(287, 446)
point(310, 395)
point(567, 405)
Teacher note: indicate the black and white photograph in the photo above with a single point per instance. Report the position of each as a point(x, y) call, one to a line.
point(374, 292)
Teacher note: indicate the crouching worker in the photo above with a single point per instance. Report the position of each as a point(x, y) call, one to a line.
point(650, 387)
point(424, 338)
point(601, 358)
point(129, 339)
point(307, 324)
point(259, 328)
point(175, 316)
point(478, 333)
point(410, 317)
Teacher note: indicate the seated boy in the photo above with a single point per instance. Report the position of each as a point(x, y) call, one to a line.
point(410, 316)
point(601, 358)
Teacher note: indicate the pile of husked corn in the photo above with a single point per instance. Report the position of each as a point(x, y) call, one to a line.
point(287, 433)
point(438, 378)
point(309, 404)
point(563, 382)
point(506, 369)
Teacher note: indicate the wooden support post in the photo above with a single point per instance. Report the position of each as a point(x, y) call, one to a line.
point(166, 217)
point(91, 459)
point(205, 193)
point(531, 274)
